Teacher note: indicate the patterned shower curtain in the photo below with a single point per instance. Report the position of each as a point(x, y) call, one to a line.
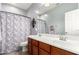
point(14, 30)
point(40, 25)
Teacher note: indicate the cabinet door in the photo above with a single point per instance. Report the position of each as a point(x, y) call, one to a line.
point(44, 46)
point(29, 46)
point(34, 42)
point(58, 51)
point(34, 50)
point(43, 52)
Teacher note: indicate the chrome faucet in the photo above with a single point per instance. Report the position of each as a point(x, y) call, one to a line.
point(63, 38)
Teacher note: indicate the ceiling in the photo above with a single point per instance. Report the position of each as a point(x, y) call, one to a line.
point(23, 6)
point(44, 9)
point(40, 7)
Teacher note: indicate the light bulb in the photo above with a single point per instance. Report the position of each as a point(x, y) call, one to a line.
point(37, 12)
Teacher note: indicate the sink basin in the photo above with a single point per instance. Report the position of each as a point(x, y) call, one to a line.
point(73, 42)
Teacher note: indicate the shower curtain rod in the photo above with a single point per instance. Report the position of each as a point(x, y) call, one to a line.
point(21, 15)
point(16, 14)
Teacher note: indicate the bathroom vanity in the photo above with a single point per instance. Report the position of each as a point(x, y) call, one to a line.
point(40, 46)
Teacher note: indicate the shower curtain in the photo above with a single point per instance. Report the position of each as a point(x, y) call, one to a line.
point(14, 29)
point(40, 25)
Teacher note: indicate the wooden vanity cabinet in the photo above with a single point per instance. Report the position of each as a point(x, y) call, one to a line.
point(39, 48)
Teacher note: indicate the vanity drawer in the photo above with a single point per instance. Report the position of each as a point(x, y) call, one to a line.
point(44, 46)
point(34, 42)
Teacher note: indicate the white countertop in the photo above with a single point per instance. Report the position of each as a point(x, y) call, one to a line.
point(71, 44)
